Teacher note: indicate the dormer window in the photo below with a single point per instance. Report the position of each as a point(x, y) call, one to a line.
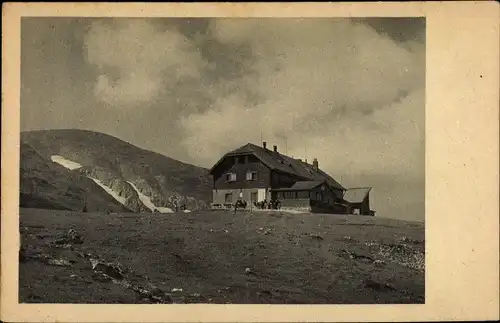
point(251, 176)
point(230, 177)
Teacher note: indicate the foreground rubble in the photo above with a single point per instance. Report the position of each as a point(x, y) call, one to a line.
point(218, 258)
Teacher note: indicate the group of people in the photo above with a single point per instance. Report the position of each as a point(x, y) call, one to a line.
point(176, 206)
point(264, 205)
point(271, 205)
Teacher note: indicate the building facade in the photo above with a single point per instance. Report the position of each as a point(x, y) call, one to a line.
point(266, 178)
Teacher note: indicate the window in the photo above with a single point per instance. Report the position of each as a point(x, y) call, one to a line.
point(253, 197)
point(290, 195)
point(228, 198)
point(303, 194)
point(230, 177)
point(240, 160)
point(251, 176)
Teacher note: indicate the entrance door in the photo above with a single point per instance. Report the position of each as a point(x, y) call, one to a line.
point(253, 197)
point(229, 198)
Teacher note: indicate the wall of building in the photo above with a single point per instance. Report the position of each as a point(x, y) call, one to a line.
point(313, 206)
point(219, 196)
point(263, 174)
point(363, 207)
point(323, 207)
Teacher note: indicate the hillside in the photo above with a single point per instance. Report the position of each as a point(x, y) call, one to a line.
point(139, 180)
point(45, 184)
point(219, 257)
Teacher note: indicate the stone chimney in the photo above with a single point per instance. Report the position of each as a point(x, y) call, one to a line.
point(264, 144)
point(275, 148)
point(315, 163)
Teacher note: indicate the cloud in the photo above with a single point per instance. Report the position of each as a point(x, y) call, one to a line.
point(138, 62)
point(349, 96)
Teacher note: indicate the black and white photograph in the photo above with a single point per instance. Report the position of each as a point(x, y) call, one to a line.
point(222, 160)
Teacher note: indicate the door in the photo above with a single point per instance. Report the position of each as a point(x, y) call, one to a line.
point(228, 198)
point(253, 197)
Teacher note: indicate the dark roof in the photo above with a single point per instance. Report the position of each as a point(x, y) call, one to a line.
point(283, 163)
point(356, 195)
point(301, 186)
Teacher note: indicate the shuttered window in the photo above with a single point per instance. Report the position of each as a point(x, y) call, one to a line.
point(251, 176)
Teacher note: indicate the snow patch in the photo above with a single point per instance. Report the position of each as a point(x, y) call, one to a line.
point(187, 211)
point(69, 164)
point(109, 190)
point(164, 209)
point(147, 201)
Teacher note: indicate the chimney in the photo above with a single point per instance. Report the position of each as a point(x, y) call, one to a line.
point(315, 163)
point(275, 148)
point(264, 144)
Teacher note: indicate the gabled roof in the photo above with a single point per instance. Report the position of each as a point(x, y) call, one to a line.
point(301, 186)
point(356, 195)
point(283, 163)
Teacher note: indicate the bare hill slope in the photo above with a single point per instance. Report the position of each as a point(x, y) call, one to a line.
point(141, 180)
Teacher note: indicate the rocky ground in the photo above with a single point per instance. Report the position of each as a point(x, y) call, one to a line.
point(218, 257)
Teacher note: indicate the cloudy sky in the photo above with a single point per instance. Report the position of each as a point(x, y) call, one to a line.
point(348, 92)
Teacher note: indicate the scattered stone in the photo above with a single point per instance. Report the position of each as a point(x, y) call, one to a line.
point(59, 262)
point(379, 262)
point(70, 237)
point(249, 271)
point(98, 276)
point(347, 238)
point(379, 286)
point(63, 246)
point(371, 243)
point(195, 295)
point(110, 270)
point(406, 239)
point(403, 255)
point(155, 291)
point(353, 255)
point(41, 236)
point(174, 290)
point(316, 236)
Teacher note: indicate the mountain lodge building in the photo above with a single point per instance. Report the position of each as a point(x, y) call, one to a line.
point(259, 176)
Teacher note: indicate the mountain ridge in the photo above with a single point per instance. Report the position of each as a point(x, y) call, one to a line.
point(114, 163)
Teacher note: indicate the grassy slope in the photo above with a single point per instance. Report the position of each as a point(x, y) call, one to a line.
point(207, 254)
